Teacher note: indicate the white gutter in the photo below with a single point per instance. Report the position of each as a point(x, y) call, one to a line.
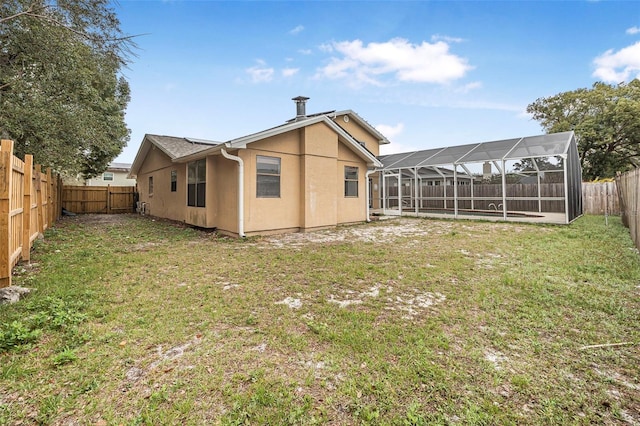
point(368, 201)
point(240, 189)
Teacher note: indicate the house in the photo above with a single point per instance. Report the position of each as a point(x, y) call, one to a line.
point(311, 172)
point(117, 174)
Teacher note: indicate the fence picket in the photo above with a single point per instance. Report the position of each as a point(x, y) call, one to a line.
point(27, 207)
point(628, 189)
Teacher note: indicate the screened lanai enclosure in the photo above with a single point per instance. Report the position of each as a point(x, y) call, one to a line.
point(530, 179)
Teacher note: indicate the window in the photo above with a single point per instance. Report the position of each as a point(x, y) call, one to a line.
point(150, 185)
point(350, 181)
point(174, 180)
point(107, 176)
point(197, 183)
point(268, 177)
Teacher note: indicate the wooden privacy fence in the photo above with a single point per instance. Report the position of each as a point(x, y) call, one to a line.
point(29, 204)
point(600, 198)
point(628, 189)
point(99, 199)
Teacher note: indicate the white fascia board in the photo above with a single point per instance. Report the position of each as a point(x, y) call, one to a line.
point(382, 140)
point(364, 154)
point(144, 149)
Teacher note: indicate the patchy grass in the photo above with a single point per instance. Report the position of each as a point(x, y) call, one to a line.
point(402, 322)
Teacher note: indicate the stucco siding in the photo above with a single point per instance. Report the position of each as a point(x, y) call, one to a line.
point(320, 140)
point(163, 202)
point(273, 213)
point(360, 133)
point(319, 189)
point(350, 208)
point(226, 194)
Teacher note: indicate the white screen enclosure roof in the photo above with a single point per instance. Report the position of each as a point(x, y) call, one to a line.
point(553, 144)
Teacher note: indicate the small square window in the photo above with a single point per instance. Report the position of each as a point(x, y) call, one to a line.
point(107, 176)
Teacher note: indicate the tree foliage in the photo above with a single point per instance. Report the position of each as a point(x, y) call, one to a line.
point(62, 96)
point(606, 119)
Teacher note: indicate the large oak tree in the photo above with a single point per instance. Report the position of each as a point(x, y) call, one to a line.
point(62, 95)
point(606, 119)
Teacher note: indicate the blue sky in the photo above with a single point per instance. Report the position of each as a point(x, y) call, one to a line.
point(426, 74)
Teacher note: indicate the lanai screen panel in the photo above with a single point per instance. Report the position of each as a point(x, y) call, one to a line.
point(413, 160)
point(449, 155)
point(557, 149)
point(490, 151)
point(541, 146)
point(393, 158)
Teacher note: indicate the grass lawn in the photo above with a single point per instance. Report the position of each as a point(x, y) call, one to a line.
point(399, 322)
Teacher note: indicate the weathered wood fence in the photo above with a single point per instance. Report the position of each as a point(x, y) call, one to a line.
point(629, 189)
point(29, 204)
point(600, 198)
point(99, 199)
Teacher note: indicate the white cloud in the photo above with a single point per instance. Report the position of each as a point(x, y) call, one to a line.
point(305, 51)
point(616, 67)
point(326, 47)
point(439, 37)
point(421, 63)
point(260, 73)
point(297, 30)
point(390, 131)
point(288, 72)
point(633, 30)
point(469, 87)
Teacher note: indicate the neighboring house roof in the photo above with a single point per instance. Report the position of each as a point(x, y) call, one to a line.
point(119, 167)
point(189, 149)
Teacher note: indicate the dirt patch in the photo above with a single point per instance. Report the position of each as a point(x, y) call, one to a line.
point(97, 219)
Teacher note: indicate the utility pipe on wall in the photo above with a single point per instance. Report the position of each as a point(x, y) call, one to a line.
point(240, 190)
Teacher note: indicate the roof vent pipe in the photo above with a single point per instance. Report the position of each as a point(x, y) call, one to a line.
point(301, 112)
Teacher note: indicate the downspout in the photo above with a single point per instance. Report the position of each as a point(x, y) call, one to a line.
point(366, 178)
point(240, 190)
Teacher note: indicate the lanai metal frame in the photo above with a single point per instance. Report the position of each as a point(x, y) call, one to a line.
point(445, 162)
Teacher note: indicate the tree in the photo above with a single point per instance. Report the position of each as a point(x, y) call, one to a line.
point(62, 97)
point(606, 120)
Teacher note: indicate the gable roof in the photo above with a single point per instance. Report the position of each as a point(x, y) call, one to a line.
point(188, 149)
point(382, 140)
point(243, 141)
point(173, 147)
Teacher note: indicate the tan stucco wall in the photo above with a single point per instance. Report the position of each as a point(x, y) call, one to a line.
point(350, 209)
point(360, 133)
point(311, 184)
point(273, 213)
point(163, 202)
point(225, 194)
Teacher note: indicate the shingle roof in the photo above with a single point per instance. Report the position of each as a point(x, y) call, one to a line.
point(179, 147)
point(119, 166)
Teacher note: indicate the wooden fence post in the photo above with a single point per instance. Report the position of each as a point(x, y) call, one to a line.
point(39, 198)
point(6, 172)
point(26, 207)
point(49, 198)
point(108, 199)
